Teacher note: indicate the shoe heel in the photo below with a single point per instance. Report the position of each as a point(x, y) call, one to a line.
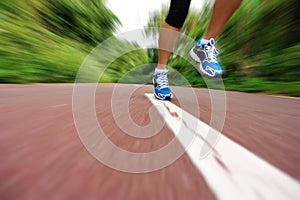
point(194, 56)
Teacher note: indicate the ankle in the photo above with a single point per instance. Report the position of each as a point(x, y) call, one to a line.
point(159, 70)
point(161, 67)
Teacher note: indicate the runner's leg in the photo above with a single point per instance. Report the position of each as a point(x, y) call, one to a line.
point(221, 13)
point(169, 31)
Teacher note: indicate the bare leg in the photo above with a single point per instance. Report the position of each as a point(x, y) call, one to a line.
point(222, 12)
point(167, 39)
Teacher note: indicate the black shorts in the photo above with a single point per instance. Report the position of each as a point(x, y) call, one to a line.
point(178, 12)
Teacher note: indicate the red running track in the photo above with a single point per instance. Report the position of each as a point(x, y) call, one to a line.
point(42, 156)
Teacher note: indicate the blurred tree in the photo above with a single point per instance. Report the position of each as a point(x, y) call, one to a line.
point(46, 41)
point(87, 21)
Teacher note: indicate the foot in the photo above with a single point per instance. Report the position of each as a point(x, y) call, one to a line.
point(205, 53)
point(162, 90)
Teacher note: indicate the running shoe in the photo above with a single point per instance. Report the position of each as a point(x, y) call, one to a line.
point(162, 90)
point(206, 55)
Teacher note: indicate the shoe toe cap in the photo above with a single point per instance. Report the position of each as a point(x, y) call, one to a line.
point(212, 69)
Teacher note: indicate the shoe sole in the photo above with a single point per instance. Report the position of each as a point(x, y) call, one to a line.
point(166, 98)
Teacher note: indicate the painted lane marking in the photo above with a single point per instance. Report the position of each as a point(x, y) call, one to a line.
point(231, 171)
point(59, 105)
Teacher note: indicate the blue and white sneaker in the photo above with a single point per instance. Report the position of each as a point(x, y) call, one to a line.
point(206, 55)
point(162, 90)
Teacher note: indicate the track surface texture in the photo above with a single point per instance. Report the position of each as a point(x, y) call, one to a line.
point(42, 156)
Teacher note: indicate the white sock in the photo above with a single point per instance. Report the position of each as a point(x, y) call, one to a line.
point(160, 70)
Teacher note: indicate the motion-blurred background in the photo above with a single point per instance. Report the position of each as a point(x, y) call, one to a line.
point(47, 41)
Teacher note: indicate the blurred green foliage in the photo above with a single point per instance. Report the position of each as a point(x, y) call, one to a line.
point(47, 41)
point(87, 21)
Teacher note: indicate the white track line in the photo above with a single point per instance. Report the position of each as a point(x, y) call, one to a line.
point(231, 171)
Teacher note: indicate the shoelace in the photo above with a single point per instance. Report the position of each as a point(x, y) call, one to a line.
point(162, 80)
point(211, 53)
